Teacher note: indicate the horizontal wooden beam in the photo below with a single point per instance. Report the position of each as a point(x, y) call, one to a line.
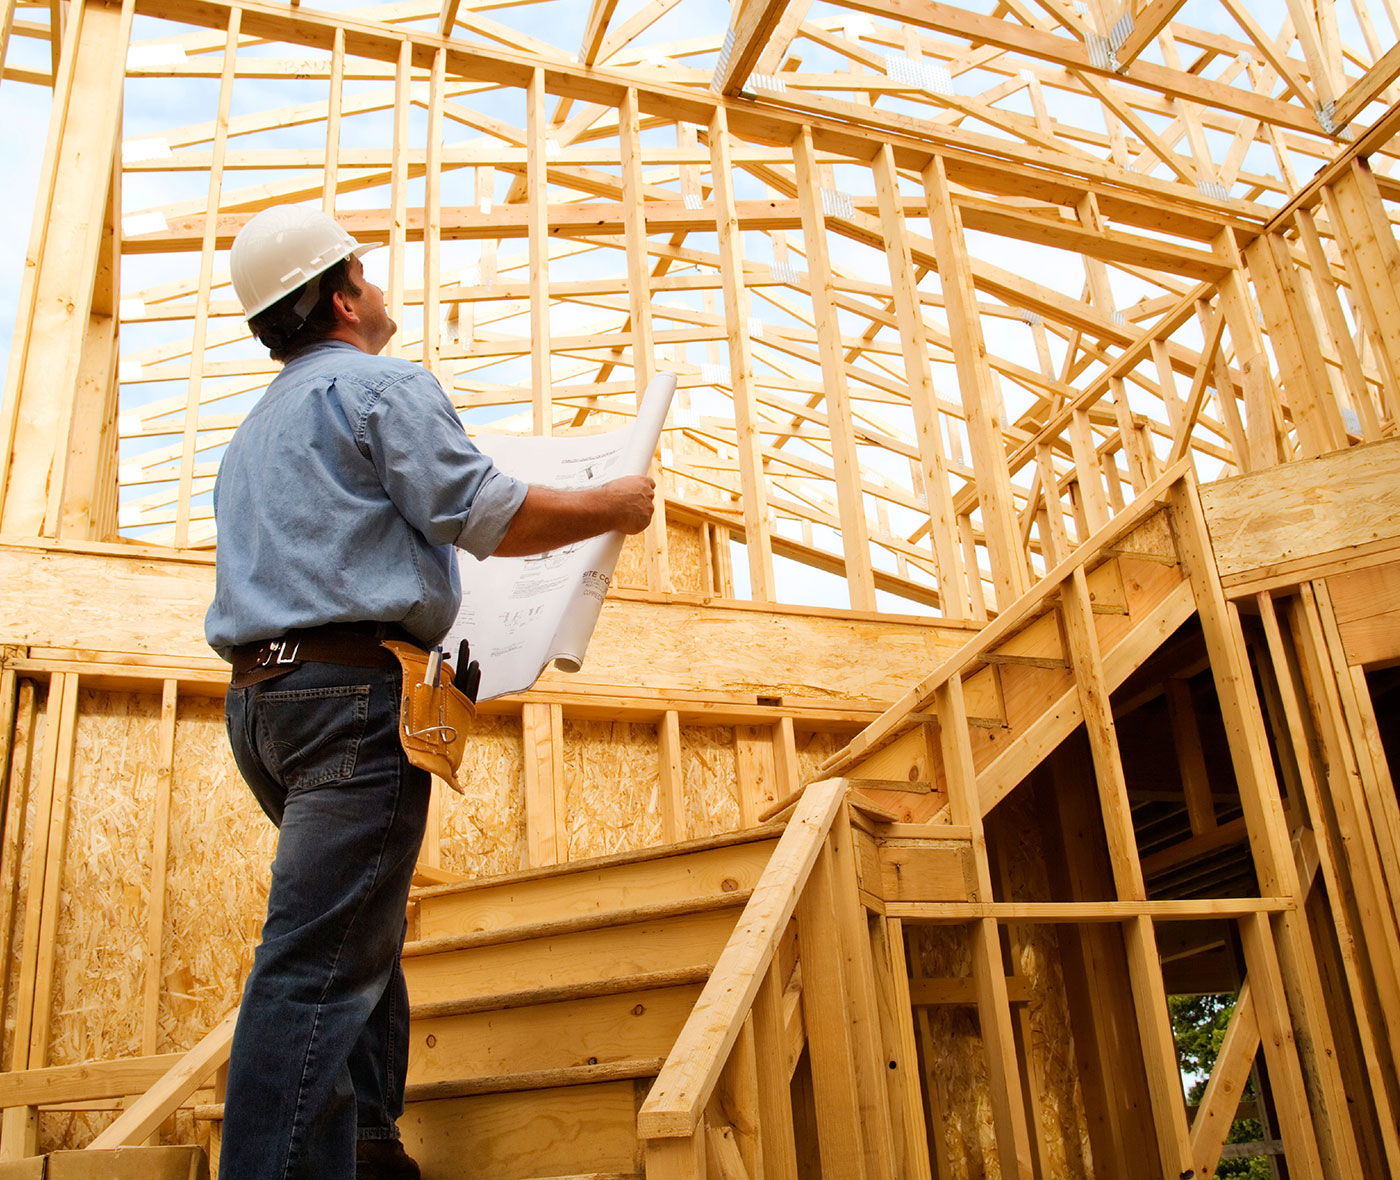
point(1075, 55)
point(980, 161)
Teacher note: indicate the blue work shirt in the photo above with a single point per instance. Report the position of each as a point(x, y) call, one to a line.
point(340, 499)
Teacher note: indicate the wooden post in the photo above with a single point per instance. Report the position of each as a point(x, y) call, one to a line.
point(398, 189)
point(160, 860)
point(88, 510)
point(1296, 344)
point(980, 396)
point(757, 771)
point(1260, 397)
point(206, 281)
point(914, 337)
point(871, 1052)
point(432, 222)
point(542, 731)
point(674, 822)
point(639, 301)
point(741, 379)
point(537, 196)
point(774, 1084)
point(1372, 259)
point(1013, 1134)
point(855, 529)
point(52, 318)
point(334, 102)
point(826, 1013)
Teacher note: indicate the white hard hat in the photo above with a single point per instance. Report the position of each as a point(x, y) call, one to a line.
point(281, 249)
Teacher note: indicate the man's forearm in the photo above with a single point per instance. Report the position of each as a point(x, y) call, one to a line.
point(548, 518)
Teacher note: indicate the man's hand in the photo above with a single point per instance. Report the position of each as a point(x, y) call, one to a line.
point(634, 498)
point(549, 519)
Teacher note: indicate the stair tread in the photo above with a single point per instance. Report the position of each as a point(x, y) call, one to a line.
point(531, 997)
point(577, 923)
point(763, 831)
point(506, 1083)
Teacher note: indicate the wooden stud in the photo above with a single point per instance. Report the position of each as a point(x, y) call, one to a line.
point(398, 188)
point(537, 196)
point(736, 1102)
point(774, 1098)
point(757, 771)
point(1324, 287)
point(871, 1050)
point(914, 336)
point(50, 831)
point(194, 389)
point(982, 402)
point(639, 296)
point(542, 732)
point(826, 1013)
point(855, 531)
point(54, 313)
point(993, 1004)
point(741, 377)
point(674, 822)
point(1260, 397)
point(1221, 1100)
point(1186, 738)
point(432, 218)
point(1296, 344)
point(160, 861)
point(1280, 1051)
point(334, 102)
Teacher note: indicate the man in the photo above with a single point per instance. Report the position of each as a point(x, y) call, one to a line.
point(339, 501)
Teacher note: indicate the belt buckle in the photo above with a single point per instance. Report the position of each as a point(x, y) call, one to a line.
point(275, 651)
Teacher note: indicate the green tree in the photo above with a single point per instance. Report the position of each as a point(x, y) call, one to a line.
point(1199, 1024)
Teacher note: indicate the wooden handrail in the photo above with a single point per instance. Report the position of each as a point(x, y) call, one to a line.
point(880, 731)
point(164, 1098)
point(687, 1080)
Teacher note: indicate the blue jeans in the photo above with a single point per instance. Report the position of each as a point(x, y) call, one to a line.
point(321, 1048)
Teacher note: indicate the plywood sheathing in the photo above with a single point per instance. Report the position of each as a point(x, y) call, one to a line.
point(482, 830)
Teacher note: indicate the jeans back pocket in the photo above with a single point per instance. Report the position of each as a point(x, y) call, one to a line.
point(307, 737)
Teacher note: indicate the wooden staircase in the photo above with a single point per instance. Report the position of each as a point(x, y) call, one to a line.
point(545, 1003)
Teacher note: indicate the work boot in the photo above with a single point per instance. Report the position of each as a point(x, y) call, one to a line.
point(383, 1159)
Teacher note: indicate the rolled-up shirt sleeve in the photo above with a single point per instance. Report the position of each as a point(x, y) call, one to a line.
point(496, 502)
point(437, 478)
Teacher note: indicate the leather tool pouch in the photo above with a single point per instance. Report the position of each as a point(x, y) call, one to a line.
point(433, 718)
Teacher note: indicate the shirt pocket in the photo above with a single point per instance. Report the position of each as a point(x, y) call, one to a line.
point(311, 736)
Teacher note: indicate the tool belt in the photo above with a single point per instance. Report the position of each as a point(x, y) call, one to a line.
point(356, 644)
point(434, 717)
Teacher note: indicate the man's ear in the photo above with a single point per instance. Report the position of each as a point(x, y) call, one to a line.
point(344, 313)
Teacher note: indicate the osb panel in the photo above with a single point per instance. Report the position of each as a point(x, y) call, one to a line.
point(631, 570)
point(685, 553)
point(221, 845)
point(612, 785)
point(950, 1044)
point(483, 828)
point(1063, 1125)
point(815, 748)
point(24, 768)
point(710, 774)
point(99, 967)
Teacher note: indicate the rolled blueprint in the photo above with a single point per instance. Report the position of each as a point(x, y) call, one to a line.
point(519, 613)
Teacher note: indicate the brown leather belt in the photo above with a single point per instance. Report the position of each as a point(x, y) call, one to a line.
point(355, 644)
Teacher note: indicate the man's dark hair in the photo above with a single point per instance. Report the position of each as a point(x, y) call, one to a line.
point(285, 332)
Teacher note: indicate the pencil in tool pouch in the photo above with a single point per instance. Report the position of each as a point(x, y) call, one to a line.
point(435, 716)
